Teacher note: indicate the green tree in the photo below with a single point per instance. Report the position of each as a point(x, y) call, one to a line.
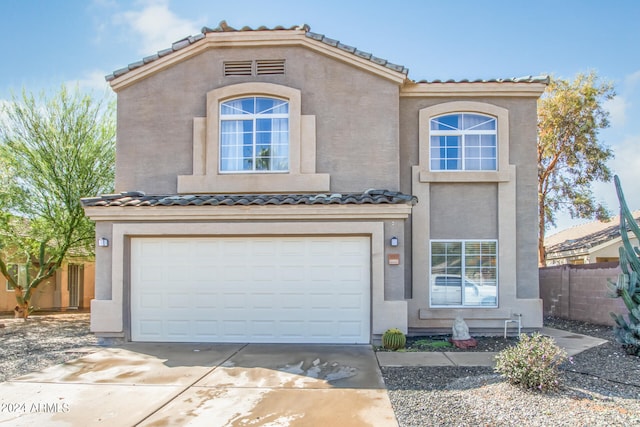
point(53, 150)
point(570, 155)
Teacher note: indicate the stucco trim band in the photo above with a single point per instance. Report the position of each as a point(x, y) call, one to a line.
point(253, 213)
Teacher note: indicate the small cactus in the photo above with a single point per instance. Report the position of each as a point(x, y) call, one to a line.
point(393, 339)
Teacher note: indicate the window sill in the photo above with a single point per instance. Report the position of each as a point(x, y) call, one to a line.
point(468, 176)
point(469, 313)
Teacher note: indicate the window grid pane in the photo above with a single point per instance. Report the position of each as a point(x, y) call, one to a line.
point(446, 153)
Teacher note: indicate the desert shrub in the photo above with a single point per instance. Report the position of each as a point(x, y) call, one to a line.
point(425, 344)
point(393, 339)
point(532, 363)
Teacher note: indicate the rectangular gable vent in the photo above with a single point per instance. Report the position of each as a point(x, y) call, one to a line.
point(238, 68)
point(269, 66)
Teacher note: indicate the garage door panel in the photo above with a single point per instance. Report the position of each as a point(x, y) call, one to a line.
point(178, 328)
point(292, 273)
point(151, 328)
point(206, 300)
point(178, 300)
point(258, 289)
point(350, 302)
point(262, 301)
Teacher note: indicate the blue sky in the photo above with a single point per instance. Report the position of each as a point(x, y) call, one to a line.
point(47, 43)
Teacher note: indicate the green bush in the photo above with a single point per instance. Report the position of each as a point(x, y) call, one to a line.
point(532, 364)
point(393, 339)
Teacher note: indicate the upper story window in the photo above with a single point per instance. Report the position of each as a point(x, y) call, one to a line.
point(254, 135)
point(463, 141)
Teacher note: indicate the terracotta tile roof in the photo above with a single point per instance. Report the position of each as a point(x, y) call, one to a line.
point(139, 199)
point(524, 79)
point(586, 235)
point(223, 27)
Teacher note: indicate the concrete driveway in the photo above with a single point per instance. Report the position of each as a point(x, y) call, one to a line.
point(160, 384)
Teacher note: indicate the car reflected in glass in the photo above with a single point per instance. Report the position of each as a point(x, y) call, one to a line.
point(446, 290)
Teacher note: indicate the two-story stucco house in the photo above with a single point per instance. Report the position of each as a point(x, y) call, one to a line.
point(276, 185)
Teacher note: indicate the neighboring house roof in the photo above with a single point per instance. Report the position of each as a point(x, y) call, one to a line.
point(586, 236)
point(138, 199)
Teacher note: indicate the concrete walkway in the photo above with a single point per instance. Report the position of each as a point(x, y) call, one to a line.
point(570, 342)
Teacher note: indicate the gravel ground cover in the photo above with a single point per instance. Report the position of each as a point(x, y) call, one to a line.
point(42, 341)
point(601, 387)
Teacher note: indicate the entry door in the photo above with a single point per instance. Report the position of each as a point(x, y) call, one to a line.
point(75, 285)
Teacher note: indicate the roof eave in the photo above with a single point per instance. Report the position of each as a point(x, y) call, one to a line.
point(235, 213)
point(514, 88)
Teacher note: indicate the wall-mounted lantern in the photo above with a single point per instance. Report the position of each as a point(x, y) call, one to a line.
point(103, 242)
point(394, 241)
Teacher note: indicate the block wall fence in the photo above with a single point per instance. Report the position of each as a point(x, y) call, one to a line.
point(580, 292)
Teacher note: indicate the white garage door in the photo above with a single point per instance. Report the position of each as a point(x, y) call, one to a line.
point(251, 289)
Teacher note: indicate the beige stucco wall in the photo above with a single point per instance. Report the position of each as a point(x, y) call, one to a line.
point(463, 211)
point(356, 133)
point(503, 208)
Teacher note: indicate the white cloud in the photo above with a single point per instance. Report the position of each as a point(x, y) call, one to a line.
point(631, 81)
point(626, 165)
point(157, 26)
point(93, 80)
point(617, 108)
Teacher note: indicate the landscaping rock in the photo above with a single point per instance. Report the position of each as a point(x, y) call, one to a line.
point(465, 344)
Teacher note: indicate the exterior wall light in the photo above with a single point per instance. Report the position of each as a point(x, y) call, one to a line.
point(394, 241)
point(103, 242)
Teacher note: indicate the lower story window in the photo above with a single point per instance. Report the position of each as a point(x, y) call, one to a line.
point(464, 273)
point(19, 273)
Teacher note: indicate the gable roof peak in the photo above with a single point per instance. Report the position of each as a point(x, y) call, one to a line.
point(303, 31)
point(223, 27)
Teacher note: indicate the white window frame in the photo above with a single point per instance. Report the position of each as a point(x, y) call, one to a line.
point(253, 117)
point(463, 134)
point(22, 277)
point(463, 276)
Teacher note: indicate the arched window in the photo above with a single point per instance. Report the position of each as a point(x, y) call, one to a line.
point(463, 141)
point(254, 135)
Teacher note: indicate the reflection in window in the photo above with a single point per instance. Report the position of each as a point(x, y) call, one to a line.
point(254, 135)
point(471, 262)
point(463, 142)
